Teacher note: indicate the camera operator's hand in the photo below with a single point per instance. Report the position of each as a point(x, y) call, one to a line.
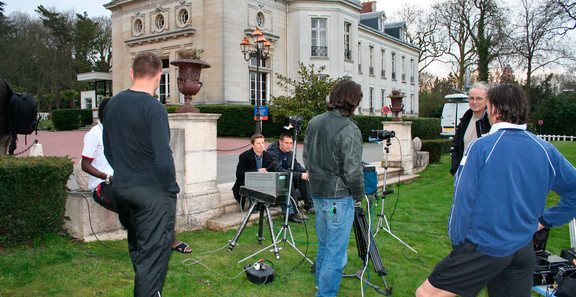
point(305, 175)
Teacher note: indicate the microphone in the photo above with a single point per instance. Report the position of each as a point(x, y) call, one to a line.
point(272, 166)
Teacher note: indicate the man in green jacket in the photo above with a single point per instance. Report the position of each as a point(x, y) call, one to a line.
point(333, 157)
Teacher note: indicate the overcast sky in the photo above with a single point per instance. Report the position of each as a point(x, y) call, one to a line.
point(96, 7)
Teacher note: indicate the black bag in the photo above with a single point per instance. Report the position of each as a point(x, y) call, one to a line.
point(22, 115)
point(104, 195)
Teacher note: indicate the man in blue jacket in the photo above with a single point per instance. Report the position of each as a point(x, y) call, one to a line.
point(499, 198)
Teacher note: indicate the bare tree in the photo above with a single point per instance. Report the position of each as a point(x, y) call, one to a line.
point(569, 12)
point(422, 32)
point(538, 37)
point(459, 48)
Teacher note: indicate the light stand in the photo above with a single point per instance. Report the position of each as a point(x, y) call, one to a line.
point(381, 216)
point(296, 121)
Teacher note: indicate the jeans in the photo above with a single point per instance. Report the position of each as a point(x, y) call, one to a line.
point(292, 207)
point(334, 217)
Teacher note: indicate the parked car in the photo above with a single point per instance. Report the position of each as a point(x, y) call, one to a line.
point(452, 112)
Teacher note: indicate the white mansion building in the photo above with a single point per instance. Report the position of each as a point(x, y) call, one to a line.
point(348, 37)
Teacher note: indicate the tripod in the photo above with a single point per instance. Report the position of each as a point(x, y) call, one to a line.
point(366, 245)
point(381, 216)
point(262, 202)
point(285, 230)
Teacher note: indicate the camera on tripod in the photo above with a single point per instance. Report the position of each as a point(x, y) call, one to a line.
point(382, 134)
point(295, 121)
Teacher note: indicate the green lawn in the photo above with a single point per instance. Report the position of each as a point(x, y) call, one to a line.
point(417, 212)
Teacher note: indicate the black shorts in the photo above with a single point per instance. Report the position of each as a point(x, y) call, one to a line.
point(104, 196)
point(465, 271)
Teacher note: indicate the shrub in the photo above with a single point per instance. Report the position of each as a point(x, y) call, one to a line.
point(368, 123)
point(436, 148)
point(238, 120)
point(33, 192)
point(425, 128)
point(71, 119)
point(171, 108)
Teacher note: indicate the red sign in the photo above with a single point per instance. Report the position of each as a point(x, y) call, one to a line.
point(540, 122)
point(386, 109)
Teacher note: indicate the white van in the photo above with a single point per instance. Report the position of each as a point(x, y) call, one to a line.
point(452, 113)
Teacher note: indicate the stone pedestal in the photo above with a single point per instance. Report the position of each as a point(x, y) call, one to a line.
point(401, 148)
point(193, 142)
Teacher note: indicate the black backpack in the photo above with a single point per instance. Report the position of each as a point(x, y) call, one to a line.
point(22, 115)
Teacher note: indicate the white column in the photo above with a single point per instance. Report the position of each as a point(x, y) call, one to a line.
point(401, 146)
point(193, 142)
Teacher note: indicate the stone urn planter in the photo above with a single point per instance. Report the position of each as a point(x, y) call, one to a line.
point(189, 69)
point(396, 106)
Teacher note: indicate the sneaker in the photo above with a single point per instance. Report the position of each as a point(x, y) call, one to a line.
point(292, 218)
point(301, 216)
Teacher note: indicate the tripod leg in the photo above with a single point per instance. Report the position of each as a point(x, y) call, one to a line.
point(260, 221)
point(276, 250)
point(234, 240)
point(365, 241)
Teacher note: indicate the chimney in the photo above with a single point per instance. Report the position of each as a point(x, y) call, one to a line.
point(368, 6)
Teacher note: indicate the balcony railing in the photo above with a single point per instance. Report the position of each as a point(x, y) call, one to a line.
point(319, 51)
point(348, 54)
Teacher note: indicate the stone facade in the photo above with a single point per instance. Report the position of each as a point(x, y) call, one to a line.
point(217, 26)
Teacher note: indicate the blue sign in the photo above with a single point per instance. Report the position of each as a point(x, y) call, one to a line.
point(263, 113)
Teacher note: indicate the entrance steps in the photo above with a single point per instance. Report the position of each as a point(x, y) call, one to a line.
point(232, 216)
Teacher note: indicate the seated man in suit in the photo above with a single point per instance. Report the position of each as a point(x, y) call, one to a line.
point(282, 152)
point(251, 160)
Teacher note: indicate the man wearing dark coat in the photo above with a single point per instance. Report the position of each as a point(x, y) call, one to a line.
point(255, 159)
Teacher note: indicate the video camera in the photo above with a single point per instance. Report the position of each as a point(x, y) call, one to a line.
point(295, 121)
point(381, 134)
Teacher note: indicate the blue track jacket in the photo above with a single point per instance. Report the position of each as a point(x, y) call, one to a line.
point(500, 190)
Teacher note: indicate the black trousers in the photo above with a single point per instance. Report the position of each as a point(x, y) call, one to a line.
point(304, 187)
point(148, 213)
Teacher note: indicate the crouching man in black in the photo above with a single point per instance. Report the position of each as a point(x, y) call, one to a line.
point(282, 153)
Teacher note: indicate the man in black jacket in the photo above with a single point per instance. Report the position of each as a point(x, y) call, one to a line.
point(473, 125)
point(282, 152)
point(252, 160)
point(136, 138)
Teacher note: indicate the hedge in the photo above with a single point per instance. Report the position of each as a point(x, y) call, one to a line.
point(436, 148)
point(423, 128)
point(33, 192)
point(71, 119)
point(238, 121)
